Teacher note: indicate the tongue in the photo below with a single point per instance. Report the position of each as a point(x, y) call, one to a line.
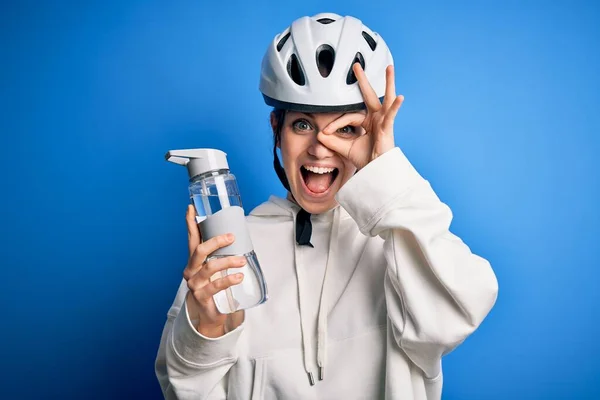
point(318, 183)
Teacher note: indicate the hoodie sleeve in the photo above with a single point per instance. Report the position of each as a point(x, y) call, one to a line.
point(437, 291)
point(189, 365)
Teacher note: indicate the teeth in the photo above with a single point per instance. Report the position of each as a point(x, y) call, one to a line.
point(319, 170)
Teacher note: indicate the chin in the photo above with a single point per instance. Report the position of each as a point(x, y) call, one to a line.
point(318, 208)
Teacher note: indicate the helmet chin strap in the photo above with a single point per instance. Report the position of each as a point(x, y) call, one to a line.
point(303, 223)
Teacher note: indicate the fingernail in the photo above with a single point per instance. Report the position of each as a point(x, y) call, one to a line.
point(241, 260)
point(238, 277)
point(229, 237)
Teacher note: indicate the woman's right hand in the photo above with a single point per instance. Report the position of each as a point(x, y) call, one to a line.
point(198, 273)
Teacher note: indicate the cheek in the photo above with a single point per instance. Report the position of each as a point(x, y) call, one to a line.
point(349, 167)
point(349, 171)
point(292, 146)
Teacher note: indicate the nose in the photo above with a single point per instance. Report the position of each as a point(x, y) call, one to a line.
point(318, 150)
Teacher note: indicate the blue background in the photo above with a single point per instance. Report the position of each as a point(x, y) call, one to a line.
point(500, 115)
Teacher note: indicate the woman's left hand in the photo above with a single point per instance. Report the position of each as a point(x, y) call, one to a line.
point(378, 123)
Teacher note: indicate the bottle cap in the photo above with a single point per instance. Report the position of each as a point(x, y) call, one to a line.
point(199, 161)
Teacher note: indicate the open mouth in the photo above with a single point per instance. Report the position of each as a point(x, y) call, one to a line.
point(318, 180)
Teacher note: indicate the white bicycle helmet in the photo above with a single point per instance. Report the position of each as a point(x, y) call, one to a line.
point(308, 67)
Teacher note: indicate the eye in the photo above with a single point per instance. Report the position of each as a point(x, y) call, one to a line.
point(302, 125)
point(347, 130)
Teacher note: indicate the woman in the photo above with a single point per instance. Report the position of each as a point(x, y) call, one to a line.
point(368, 289)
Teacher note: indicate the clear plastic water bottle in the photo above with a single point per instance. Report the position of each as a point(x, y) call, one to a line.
point(214, 192)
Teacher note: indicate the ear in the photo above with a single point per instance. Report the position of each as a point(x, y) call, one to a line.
point(274, 128)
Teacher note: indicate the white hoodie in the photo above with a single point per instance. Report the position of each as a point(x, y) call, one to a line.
point(386, 291)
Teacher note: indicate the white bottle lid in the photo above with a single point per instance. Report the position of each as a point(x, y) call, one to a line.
point(199, 161)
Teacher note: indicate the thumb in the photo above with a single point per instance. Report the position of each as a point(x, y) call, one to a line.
point(336, 143)
point(194, 237)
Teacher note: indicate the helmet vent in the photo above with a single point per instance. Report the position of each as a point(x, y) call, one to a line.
point(369, 40)
point(295, 71)
point(282, 41)
point(351, 78)
point(325, 59)
point(325, 21)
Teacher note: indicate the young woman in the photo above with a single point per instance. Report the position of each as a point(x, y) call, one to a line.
point(368, 288)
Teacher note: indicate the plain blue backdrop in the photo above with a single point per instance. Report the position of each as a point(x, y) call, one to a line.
point(501, 116)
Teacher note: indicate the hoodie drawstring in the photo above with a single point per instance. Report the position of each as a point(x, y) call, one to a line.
point(322, 324)
point(306, 339)
point(322, 316)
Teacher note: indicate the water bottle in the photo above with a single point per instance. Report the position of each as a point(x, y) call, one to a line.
point(214, 192)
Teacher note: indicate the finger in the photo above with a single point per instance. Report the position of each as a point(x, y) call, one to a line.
point(216, 243)
point(207, 271)
point(390, 116)
point(202, 251)
point(218, 285)
point(390, 87)
point(339, 145)
point(220, 264)
point(194, 238)
point(353, 119)
point(369, 95)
